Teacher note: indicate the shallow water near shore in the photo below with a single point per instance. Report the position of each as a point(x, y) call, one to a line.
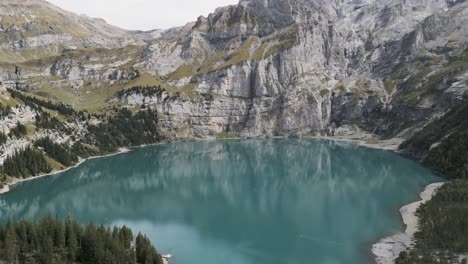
point(237, 201)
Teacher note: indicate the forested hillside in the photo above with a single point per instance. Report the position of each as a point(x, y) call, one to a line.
point(43, 135)
point(52, 241)
point(443, 146)
point(443, 227)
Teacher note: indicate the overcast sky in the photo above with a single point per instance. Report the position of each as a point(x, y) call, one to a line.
point(144, 14)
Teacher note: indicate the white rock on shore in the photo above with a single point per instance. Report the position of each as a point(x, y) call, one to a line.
point(388, 249)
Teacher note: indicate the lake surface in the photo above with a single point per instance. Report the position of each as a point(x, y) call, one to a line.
point(294, 201)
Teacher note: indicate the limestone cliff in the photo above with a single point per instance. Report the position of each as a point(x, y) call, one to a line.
point(259, 68)
point(298, 67)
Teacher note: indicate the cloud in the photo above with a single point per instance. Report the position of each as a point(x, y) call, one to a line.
point(144, 14)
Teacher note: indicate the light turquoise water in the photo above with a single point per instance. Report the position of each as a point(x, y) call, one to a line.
point(237, 202)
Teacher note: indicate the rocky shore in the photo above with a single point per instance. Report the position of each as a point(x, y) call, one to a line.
point(388, 249)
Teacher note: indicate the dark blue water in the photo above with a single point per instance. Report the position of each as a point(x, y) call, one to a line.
point(237, 202)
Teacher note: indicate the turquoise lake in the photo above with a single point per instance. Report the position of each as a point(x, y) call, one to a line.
point(278, 201)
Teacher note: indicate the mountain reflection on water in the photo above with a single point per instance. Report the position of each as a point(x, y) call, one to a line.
point(237, 201)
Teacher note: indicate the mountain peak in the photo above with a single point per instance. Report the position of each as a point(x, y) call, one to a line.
point(35, 29)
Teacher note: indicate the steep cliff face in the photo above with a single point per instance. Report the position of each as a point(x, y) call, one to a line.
point(271, 67)
point(296, 67)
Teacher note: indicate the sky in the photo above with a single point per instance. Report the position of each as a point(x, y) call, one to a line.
point(144, 14)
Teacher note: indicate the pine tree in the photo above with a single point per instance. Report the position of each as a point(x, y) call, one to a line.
point(126, 236)
point(59, 239)
point(71, 239)
point(145, 252)
point(43, 242)
point(3, 138)
point(23, 239)
point(47, 250)
point(140, 248)
point(10, 248)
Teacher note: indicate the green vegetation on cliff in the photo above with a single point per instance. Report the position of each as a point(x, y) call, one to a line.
point(146, 91)
point(51, 241)
point(424, 79)
point(84, 151)
point(125, 129)
point(58, 152)
point(19, 131)
point(444, 220)
point(443, 227)
point(3, 138)
point(443, 144)
point(35, 103)
point(119, 127)
point(25, 163)
point(4, 110)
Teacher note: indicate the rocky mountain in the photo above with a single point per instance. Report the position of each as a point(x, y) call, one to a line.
point(296, 67)
point(34, 29)
point(276, 67)
point(368, 68)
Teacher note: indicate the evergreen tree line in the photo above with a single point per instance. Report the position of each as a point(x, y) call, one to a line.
point(121, 129)
point(147, 91)
point(58, 152)
point(421, 257)
point(50, 241)
point(34, 103)
point(437, 129)
point(19, 131)
point(2, 179)
point(25, 163)
point(443, 220)
point(45, 121)
point(5, 110)
point(84, 151)
point(450, 157)
point(443, 227)
point(125, 129)
point(3, 138)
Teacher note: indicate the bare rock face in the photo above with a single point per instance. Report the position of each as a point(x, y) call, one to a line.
point(266, 67)
point(303, 67)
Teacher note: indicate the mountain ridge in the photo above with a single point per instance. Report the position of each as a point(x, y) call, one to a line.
point(249, 53)
point(236, 46)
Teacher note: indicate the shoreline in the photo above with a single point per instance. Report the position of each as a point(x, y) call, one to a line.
point(387, 249)
point(10, 185)
point(389, 145)
point(382, 145)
